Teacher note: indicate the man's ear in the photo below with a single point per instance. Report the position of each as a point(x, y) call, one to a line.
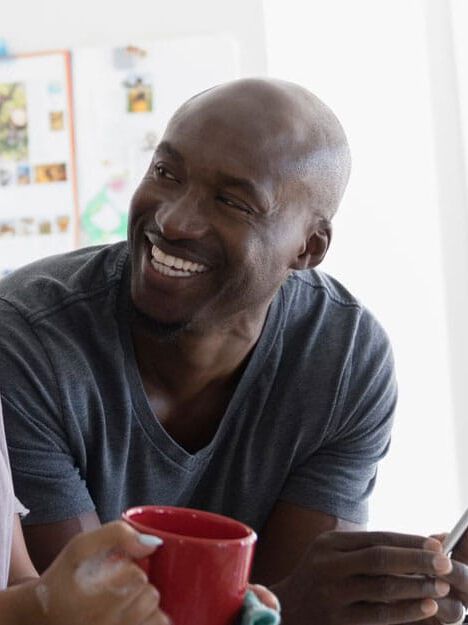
point(315, 247)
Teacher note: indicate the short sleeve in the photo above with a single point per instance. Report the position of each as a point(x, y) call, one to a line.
point(339, 476)
point(45, 476)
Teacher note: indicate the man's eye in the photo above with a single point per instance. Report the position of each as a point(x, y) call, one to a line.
point(240, 206)
point(162, 172)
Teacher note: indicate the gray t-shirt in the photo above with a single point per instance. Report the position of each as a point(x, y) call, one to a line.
point(307, 424)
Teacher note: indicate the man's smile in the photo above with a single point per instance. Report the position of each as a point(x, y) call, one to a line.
point(173, 266)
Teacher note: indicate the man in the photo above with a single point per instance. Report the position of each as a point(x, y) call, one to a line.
point(206, 364)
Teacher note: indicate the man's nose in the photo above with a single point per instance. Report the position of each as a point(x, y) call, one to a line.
point(183, 218)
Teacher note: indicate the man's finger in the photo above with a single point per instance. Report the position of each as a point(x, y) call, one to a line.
point(458, 577)
point(390, 613)
point(450, 610)
point(382, 560)
point(440, 537)
point(350, 541)
point(430, 621)
point(390, 588)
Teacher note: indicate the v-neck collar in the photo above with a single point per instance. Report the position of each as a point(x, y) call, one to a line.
point(156, 433)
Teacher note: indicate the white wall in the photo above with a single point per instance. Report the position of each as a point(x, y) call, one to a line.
point(452, 154)
point(372, 62)
point(29, 25)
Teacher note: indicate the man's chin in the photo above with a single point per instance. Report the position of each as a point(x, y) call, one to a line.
point(164, 330)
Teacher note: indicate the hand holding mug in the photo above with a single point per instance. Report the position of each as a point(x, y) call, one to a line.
point(94, 580)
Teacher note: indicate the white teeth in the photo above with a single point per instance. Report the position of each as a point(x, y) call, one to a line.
point(166, 271)
point(157, 254)
point(171, 265)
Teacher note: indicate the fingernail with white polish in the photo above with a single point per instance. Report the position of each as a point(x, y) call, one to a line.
point(149, 540)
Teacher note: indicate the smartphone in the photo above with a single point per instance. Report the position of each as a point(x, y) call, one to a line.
point(452, 539)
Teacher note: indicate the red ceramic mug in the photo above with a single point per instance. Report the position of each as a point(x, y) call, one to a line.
point(202, 568)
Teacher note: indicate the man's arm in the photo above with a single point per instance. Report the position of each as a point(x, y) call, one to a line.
point(349, 577)
point(287, 535)
point(45, 541)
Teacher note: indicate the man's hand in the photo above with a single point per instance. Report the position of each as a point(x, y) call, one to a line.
point(367, 578)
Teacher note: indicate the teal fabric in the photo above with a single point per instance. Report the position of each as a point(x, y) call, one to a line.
point(255, 612)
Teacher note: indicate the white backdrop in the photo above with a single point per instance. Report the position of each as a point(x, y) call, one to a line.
point(371, 61)
point(30, 25)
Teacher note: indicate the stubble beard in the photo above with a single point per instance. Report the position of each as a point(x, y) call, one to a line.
point(165, 332)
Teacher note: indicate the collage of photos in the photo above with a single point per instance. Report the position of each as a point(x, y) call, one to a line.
point(13, 135)
point(36, 168)
point(16, 167)
point(22, 174)
point(13, 122)
point(37, 233)
point(34, 226)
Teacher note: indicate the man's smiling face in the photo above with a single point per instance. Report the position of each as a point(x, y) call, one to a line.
point(216, 223)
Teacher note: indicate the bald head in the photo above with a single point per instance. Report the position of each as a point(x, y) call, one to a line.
point(297, 131)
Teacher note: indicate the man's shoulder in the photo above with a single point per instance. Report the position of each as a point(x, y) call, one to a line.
point(55, 281)
point(308, 289)
point(316, 300)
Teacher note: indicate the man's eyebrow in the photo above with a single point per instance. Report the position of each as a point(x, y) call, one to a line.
point(242, 183)
point(167, 148)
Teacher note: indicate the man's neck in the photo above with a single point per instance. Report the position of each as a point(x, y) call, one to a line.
point(195, 360)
